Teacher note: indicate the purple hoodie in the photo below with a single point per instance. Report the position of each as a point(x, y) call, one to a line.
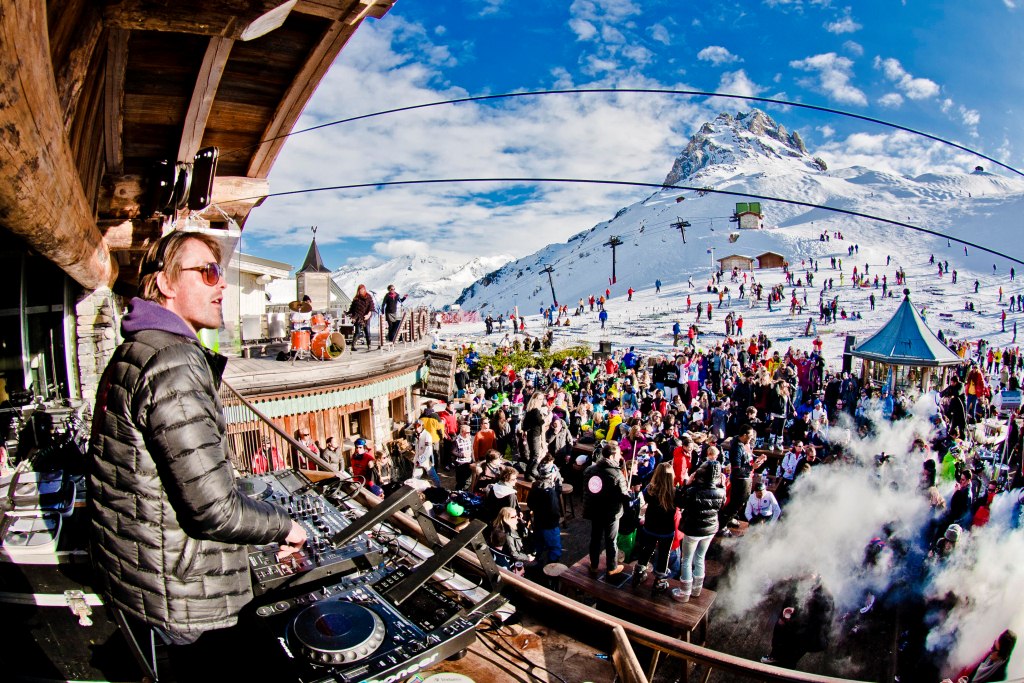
point(148, 315)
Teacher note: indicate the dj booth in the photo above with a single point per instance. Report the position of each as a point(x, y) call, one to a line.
point(362, 600)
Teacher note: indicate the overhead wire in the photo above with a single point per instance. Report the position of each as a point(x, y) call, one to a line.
point(628, 183)
point(642, 91)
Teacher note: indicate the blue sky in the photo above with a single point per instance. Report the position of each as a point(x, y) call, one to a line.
point(949, 68)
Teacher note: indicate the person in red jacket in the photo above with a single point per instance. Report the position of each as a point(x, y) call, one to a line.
point(975, 388)
point(629, 295)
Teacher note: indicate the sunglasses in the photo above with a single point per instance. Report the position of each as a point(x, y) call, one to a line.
point(212, 273)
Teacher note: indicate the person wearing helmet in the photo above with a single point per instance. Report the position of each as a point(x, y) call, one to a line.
point(364, 465)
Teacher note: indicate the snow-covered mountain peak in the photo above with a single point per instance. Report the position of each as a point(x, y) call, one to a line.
point(428, 280)
point(731, 140)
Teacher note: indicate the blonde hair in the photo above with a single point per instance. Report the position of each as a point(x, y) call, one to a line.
point(163, 256)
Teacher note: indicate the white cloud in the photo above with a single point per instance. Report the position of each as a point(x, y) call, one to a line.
point(891, 100)
point(826, 131)
point(610, 36)
point(845, 24)
point(737, 83)
point(717, 55)
point(583, 29)
point(834, 73)
point(970, 117)
point(899, 152)
point(491, 7)
point(599, 136)
point(914, 88)
point(854, 48)
point(660, 34)
point(1010, 4)
point(401, 247)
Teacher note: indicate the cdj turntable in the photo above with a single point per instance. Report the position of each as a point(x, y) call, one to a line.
point(355, 630)
point(319, 557)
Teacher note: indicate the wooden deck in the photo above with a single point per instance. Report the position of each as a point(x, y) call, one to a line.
point(257, 376)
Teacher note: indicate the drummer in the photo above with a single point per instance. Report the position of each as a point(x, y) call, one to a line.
point(302, 315)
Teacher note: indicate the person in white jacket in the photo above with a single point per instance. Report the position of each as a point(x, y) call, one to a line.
point(790, 462)
point(762, 506)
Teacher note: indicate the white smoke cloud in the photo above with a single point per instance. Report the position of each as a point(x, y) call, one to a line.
point(835, 510)
point(984, 574)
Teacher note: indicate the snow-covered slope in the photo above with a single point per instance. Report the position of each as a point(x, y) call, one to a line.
point(427, 280)
point(752, 153)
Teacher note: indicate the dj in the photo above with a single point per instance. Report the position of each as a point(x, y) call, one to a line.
point(169, 526)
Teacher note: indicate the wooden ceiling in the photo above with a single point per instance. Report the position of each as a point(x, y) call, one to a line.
point(95, 92)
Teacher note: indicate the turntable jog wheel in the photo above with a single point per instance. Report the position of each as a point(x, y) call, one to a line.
point(338, 632)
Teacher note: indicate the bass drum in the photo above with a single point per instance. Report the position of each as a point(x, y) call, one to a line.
point(328, 345)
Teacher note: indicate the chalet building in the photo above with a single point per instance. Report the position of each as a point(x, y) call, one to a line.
point(246, 298)
point(749, 216)
point(770, 259)
point(727, 263)
point(313, 279)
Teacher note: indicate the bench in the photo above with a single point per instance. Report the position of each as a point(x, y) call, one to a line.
point(523, 491)
point(685, 620)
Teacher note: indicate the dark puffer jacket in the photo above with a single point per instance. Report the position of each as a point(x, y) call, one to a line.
point(701, 502)
point(607, 489)
point(167, 518)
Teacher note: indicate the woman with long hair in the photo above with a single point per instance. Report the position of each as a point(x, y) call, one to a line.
point(503, 537)
point(662, 498)
point(361, 310)
point(701, 502)
point(534, 423)
point(993, 665)
point(501, 494)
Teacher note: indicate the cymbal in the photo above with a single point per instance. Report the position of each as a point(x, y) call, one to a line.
point(301, 306)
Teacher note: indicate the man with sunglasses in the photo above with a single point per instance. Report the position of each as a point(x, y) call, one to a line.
point(169, 525)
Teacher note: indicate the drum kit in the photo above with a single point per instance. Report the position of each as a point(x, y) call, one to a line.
point(323, 343)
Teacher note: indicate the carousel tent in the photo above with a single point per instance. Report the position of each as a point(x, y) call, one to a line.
point(904, 352)
point(906, 340)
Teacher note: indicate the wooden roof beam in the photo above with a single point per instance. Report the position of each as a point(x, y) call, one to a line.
point(113, 98)
point(224, 18)
point(72, 77)
point(121, 198)
point(337, 9)
point(207, 82)
point(302, 88)
point(41, 195)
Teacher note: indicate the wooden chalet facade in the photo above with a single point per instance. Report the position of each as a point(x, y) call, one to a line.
point(770, 259)
point(727, 263)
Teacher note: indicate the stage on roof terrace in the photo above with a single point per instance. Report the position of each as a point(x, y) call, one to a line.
point(263, 376)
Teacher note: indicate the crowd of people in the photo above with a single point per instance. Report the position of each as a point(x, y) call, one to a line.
point(675, 449)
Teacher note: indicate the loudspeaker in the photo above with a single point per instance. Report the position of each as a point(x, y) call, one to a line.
point(604, 348)
point(851, 341)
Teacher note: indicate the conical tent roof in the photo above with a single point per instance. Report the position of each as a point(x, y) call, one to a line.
point(906, 340)
point(313, 263)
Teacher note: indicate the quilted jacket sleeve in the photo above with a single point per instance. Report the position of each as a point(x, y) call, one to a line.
point(178, 406)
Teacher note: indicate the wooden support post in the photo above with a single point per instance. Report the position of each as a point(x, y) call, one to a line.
point(41, 195)
point(207, 82)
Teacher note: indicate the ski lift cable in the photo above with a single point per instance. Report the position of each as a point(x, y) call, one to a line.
point(640, 91)
point(628, 183)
